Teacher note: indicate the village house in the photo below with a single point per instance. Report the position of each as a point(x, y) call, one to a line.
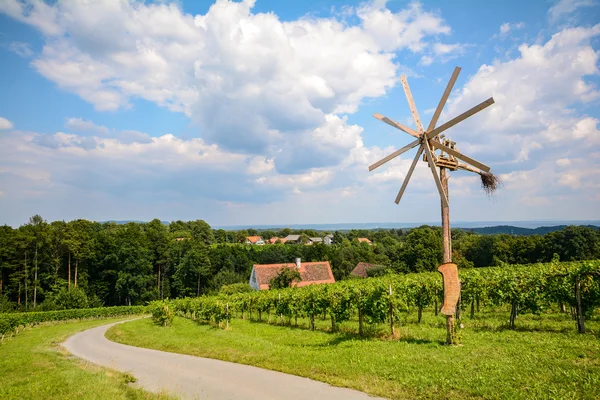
point(328, 239)
point(258, 240)
point(291, 239)
point(312, 273)
point(274, 240)
point(314, 240)
point(362, 268)
point(364, 240)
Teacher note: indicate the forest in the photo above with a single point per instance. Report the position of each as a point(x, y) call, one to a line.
point(78, 264)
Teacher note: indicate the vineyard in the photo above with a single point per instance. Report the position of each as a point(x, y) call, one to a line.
point(572, 288)
point(12, 322)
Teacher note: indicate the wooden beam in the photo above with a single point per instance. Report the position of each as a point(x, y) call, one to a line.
point(440, 107)
point(461, 117)
point(436, 177)
point(411, 103)
point(394, 154)
point(470, 168)
point(459, 155)
point(396, 125)
point(408, 175)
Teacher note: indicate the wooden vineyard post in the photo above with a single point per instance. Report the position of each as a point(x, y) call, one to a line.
point(580, 321)
point(392, 314)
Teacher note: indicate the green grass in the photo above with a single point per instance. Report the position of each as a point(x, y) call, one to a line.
point(543, 358)
point(33, 365)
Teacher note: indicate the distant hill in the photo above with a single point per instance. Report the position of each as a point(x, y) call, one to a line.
point(515, 230)
point(137, 222)
point(523, 226)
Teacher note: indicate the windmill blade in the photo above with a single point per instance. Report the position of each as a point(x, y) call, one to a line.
point(411, 104)
point(461, 117)
point(436, 177)
point(409, 174)
point(396, 125)
point(394, 154)
point(461, 156)
point(440, 107)
point(470, 168)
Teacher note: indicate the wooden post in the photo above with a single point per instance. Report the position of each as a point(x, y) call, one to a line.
point(580, 321)
point(447, 242)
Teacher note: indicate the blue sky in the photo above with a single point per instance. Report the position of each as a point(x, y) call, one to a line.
point(260, 112)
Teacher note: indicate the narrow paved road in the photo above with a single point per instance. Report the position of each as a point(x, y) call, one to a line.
point(192, 377)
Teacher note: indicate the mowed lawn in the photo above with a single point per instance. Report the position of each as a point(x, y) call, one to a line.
point(33, 365)
point(543, 358)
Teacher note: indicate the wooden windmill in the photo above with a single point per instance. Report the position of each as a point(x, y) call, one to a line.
point(429, 141)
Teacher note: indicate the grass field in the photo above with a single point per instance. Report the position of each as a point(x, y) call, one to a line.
point(34, 366)
point(543, 358)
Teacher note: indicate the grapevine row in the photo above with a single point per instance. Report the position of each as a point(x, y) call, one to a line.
point(11, 322)
point(527, 288)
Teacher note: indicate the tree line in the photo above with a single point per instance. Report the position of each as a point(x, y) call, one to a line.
point(81, 263)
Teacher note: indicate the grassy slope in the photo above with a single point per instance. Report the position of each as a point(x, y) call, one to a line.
point(547, 360)
point(33, 365)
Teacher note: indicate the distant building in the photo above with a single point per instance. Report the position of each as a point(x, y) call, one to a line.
point(291, 239)
point(328, 239)
point(258, 240)
point(362, 268)
point(364, 240)
point(312, 273)
point(273, 240)
point(314, 240)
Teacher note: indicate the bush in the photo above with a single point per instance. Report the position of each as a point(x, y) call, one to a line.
point(6, 305)
point(380, 270)
point(162, 312)
point(67, 299)
point(235, 288)
point(284, 278)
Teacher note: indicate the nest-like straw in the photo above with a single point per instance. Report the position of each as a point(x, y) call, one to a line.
point(490, 183)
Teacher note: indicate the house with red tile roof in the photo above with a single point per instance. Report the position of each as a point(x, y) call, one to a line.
point(312, 273)
point(362, 268)
point(273, 240)
point(364, 240)
point(255, 240)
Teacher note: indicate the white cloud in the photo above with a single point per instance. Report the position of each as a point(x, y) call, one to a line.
point(251, 82)
point(80, 125)
point(5, 124)
point(21, 48)
point(507, 27)
point(426, 60)
point(566, 7)
point(534, 136)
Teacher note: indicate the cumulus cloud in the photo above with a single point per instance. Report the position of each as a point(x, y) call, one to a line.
point(250, 82)
point(5, 124)
point(533, 135)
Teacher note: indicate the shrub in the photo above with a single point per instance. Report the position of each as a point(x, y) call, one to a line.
point(284, 278)
point(67, 299)
point(235, 288)
point(162, 312)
